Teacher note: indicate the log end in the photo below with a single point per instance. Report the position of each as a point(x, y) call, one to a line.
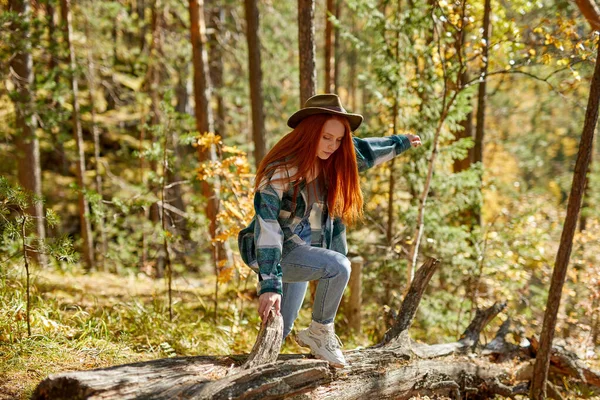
point(61, 387)
point(268, 342)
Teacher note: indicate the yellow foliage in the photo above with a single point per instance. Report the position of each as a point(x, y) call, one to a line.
point(236, 205)
point(208, 139)
point(225, 274)
point(503, 166)
point(570, 146)
point(554, 188)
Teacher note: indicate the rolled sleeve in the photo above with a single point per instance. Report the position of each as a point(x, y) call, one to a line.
point(374, 151)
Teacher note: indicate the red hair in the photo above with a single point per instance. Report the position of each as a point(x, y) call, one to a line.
point(298, 149)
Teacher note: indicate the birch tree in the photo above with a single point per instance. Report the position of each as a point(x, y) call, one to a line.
point(84, 217)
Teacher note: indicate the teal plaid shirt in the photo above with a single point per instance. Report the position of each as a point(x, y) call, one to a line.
point(271, 232)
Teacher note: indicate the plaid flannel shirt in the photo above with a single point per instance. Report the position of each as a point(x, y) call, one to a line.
point(271, 232)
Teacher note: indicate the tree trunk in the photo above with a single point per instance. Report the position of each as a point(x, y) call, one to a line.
point(538, 390)
point(202, 87)
point(336, 50)
point(215, 57)
point(329, 54)
point(306, 45)
point(256, 96)
point(115, 40)
point(354, 304)
point(53, 52)
point(26, 141)
point(352, 61)
point(466, 132)
point(395, 91)
point(204, 123)
point(86, 229)
point(140, 10)
point(144, 246)
point(174, 192)
point(182, 92)
point(590, 10)
point(154, 79)
point(91, 78)
point(586, 205)
point(481, 96)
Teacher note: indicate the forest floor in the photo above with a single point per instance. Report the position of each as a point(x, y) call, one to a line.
point(91, 320)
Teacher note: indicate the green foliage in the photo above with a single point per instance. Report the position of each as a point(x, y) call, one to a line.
point(15, 219)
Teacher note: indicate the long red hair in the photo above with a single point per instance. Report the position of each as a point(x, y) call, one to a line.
point(298, 149)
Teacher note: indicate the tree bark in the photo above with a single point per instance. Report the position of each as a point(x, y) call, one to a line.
point(256, 95)
point(586, 196)
point(481, 95)
point(174, 193)
point(396, 95)
point(329, 54)
point(202, 86)
point(26, 142)
point(215, 56)
point(411, 301)
point(91, 79)
point(204, 124)
point(154, 78)
point(591, 12)
point(140, 10)
point(268, 342)
point(182, 90)
point(143, 182)
point(466, 132)
point(53, 68)
point(306, 45)
point(86, 229)
point(584, 155)
point(352, 61)
point(354, 304)
point(337, 59)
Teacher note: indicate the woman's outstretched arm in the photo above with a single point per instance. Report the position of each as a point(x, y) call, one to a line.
point(377, 150)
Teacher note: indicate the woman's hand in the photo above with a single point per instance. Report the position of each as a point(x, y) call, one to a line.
point(415, 141)
point(266, 301)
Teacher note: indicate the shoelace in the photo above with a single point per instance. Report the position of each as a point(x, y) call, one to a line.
point(333, 340)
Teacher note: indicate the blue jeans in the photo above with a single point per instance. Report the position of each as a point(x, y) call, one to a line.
point(306, 263)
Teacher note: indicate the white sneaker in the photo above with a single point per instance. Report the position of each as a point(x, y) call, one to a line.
point(323, 343)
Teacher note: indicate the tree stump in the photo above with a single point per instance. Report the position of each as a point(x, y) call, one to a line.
point(354, 304)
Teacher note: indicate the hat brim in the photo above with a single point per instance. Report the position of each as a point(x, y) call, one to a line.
point(354, 119)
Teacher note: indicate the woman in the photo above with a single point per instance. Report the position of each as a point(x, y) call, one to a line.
point(307, 188)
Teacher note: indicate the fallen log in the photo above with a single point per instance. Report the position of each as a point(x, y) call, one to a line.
point(567, 363)
point(397, 368)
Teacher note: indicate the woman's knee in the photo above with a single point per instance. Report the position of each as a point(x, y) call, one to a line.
point(341, 266)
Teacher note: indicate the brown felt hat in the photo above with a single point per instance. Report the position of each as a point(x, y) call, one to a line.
point(324, 104)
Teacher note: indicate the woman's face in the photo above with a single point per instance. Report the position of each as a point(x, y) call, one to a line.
point(331, 138)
